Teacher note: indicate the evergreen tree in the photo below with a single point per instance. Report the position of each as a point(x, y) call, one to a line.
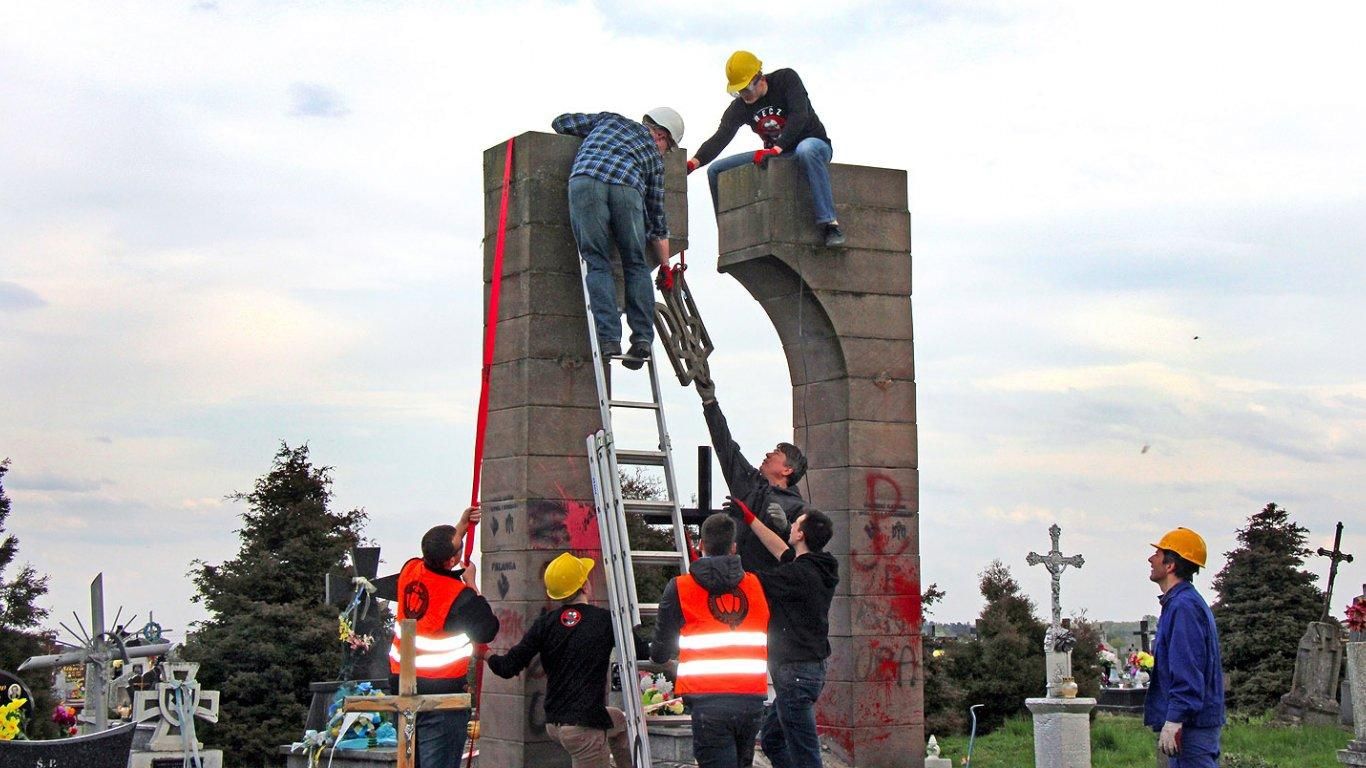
point(1265, 601)
point(269, 633)
point(20, 615)
point(1006, 664)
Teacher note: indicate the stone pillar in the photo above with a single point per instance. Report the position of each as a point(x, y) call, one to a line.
point(537, 496)
point(1062, 732)
point(844, 318)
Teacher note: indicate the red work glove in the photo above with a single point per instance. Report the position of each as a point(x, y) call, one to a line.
point(693, 165)
point(764, 154)
point(665, 279)
point(735, 503)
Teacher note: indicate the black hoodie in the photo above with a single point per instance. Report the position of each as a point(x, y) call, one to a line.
point(799, 592)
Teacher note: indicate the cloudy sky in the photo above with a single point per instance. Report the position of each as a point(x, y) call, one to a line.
point(227, 224)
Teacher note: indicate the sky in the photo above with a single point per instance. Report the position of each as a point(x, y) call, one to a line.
point(1137, 256)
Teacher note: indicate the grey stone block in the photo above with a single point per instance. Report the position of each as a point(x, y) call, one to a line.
point(842, 269)
point(566, 381)
point(775, 221)
point(871, 574)
point(535, 155)
point(538, 430)
point(542, 336)
point(565, 522)
point(534, 476)
point(868, 315)
point(883, 399)
point(547, 293)
point(781, 178)
point(878, 746)
point(849, 704)
point(543, 247)
point(859, 443)
point(531, 201)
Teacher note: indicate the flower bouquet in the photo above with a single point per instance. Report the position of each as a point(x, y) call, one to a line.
point(1140, 666)
point(12, 720)
point(348, 730)
point(656, 695)
point(1356, 615)
point(65, 718)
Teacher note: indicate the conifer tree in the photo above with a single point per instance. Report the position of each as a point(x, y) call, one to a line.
point(1006, 664)
point(269, 634)
point(20, 616)
point(1266, 599)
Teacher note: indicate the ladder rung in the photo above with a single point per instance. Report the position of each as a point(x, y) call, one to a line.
point(648, 458)
point(655, 557)
point(649, 609)
point(648, 506)
point(643, 404)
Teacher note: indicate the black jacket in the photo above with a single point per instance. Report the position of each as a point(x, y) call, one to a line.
point(783, 117)
point(799, 592)
point(778, 507)
point(575, 642)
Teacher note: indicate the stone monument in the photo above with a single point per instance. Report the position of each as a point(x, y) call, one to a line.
point(1312, 699)
point(1062, 722)
point(171, 708)
point(932, 758)
point(844, 319)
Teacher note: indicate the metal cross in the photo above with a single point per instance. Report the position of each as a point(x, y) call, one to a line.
point(1336, 556)
point(1143, 634)
point(1056, 563)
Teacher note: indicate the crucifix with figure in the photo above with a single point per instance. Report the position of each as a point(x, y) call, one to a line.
point(1335, 556)
point(407, 704)
point(1057, 642)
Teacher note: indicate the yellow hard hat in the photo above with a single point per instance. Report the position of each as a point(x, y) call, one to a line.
point(565, 575)
point(741, 68)
point(1186, 543)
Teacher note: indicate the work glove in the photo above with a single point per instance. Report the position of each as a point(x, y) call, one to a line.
point(665, 279)
point(693, 165)
point(734, 505)
point(760, 156)
point(1169, 741)
point(706, 388)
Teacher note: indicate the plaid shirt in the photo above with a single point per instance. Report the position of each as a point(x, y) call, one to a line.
point(616, 150)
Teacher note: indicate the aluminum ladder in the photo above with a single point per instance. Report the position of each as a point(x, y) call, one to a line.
point(618, 554)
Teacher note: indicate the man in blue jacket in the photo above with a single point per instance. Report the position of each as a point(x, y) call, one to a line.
point(1185, 702)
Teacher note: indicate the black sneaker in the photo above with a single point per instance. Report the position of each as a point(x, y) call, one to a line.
point(609, 349)
point(833, 235)
point(636, 356)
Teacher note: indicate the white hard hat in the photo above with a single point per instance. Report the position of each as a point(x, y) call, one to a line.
point(669, 120)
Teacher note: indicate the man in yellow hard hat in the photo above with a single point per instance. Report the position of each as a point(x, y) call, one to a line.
point(575, 642)
point(776, 107)
point(1185, 701)
point(616, 200)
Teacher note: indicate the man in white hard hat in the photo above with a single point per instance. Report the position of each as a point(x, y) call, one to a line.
point(616, 197)
point(775, 106)
point(1185, 701)
point(575, 643)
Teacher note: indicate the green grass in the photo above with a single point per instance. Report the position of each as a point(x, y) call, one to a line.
point(1123, 742)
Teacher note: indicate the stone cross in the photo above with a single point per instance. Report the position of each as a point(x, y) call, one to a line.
point(407, 704)
point(173, 706)
point(1335, 556)
point(1056, 563)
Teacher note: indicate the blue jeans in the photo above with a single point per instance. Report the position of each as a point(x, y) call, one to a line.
point(789, 736)
point(1199, 748)
point(601, 215)
point(441, 738)
point(813, 155)
point(723, 729)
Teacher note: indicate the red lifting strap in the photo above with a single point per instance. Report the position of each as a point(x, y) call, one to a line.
point(490, 336)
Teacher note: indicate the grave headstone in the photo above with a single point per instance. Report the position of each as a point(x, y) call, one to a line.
point(1348, 685)
point(103, 749)
point(1355, 753)
point(171, 709)
point(1312, 699)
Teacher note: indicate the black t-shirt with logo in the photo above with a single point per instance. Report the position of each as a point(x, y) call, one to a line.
point(783, 117)
point(575, 642)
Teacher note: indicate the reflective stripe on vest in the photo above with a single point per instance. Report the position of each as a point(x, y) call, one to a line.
point(723, 645)
point(428, 598)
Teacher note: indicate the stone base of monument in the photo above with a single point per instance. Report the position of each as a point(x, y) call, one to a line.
point(1308, 710)
point(1354, 754)
point(670, 739)
point(1062, 732)
point(343, 758)
point(211, 758)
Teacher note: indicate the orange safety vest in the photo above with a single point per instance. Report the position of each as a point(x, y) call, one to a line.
point(427, 597)
point(723, 646)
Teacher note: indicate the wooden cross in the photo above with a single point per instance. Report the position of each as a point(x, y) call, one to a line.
point(1142, 635)
point(1056, 564)
point(1336, 556)
point(407, 704)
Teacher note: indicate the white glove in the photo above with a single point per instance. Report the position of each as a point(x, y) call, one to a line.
point(1169, 741)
